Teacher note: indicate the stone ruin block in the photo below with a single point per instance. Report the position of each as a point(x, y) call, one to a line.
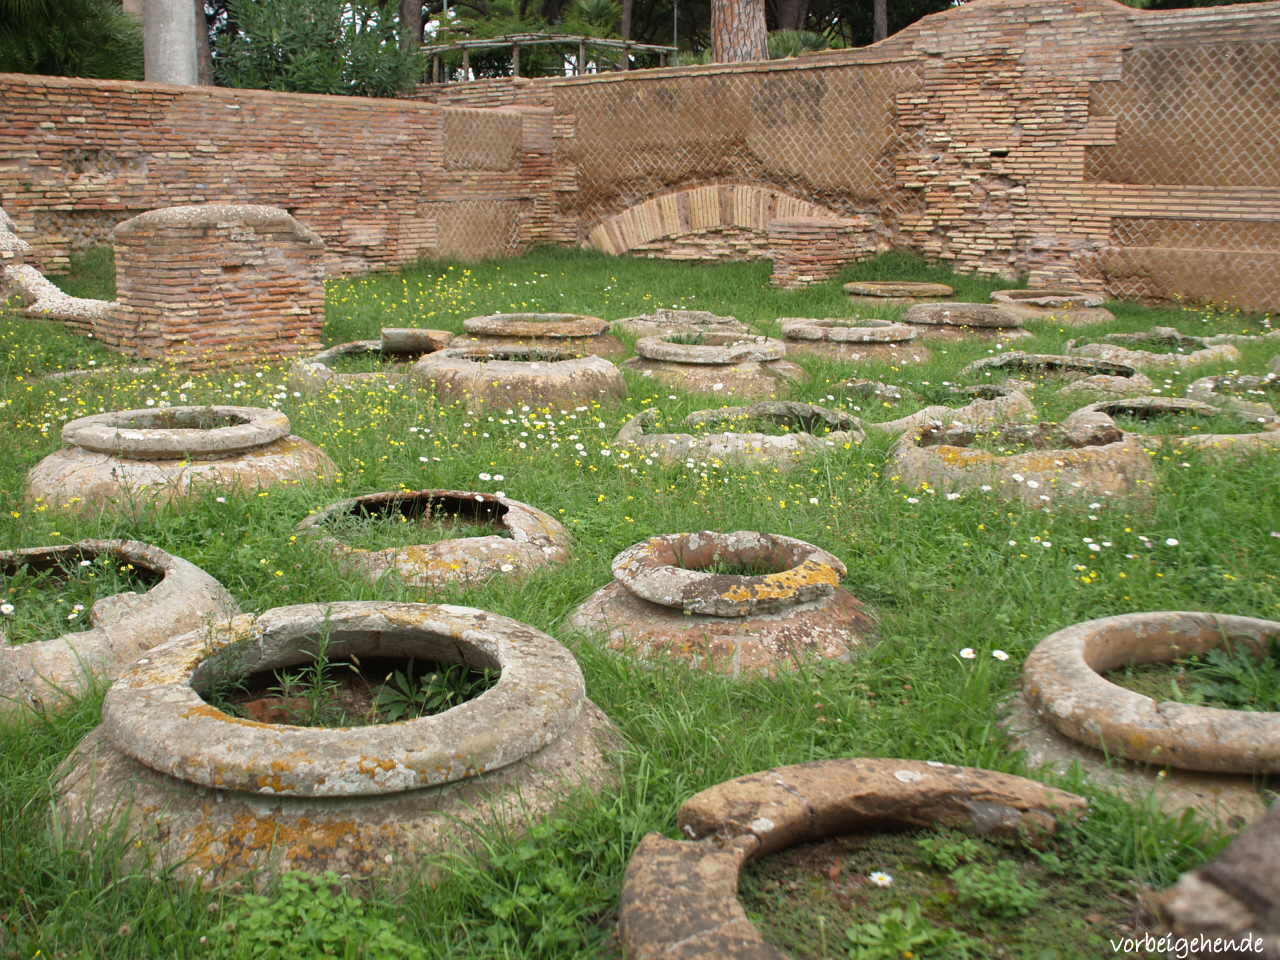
point(216, 285)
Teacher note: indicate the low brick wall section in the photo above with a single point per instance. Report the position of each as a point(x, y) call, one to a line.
point(383, 182)
point(216, 285)
point(809, 250)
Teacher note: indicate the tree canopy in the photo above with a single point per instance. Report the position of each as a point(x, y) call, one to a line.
point(71, 38)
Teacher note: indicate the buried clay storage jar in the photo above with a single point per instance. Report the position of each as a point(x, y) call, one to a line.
point(166, 454)
point(376, 362)
point(734, 434)
point(47, 673)
point(896, 291)
point(218, 796)
point(734, 363)
point(1039, 464)
point(519, 538)
point(776, 604)
point(852, 339)
point(1069, 713)
point(1255, 432)
point(1075, 308)
point(680, 897)
point(1086, 376)
point(666, 322)
point(573, 333)
point(1185, 350)
point(957, 321)
point(500, 377)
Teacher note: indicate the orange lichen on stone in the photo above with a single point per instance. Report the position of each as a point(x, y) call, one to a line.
point(213, 713)
point(784, 584)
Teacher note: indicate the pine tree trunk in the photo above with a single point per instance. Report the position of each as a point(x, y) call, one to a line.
point(626, 19)
point(204, 56)
point(410, 24)
point(880, 19)
point(738, 31)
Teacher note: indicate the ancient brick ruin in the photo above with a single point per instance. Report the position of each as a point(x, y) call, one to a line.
point(1079, 142)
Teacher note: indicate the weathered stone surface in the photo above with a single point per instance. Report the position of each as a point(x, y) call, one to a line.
point(1216, 444)
point(853, 339)
point(679, 898)
point(778, 450)
point(1219, 392)
point(665, 323)
point(672, 571)
point(1067, 464)
point(993, 405)
point(1146, 360)
point(532, 538)
point(951, 314)
point(573, 333)
point(482, 378)
point(1229, 800)
point(732, 363)
point(1062, 681)
point(398, 347)
point(1049, 363)
point(1108, 385)
point(414, 340)
point(664, 602)
point(45, 674)
point(136, 458)
point(715, 349)
point(900, 291)
point(44, 299)
point(1236, 896)
point(1075, 308)
point(876, 393)
point(219, 797)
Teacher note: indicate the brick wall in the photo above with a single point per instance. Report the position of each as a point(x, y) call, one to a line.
point(216, 285)
point(382, 181)
point(1076, 141)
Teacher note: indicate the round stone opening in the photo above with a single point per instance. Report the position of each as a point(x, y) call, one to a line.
point(136, 458)
point(433, 537)
point(324, 682)
point(1040, 464)
point(1049, 299)
point(1070, 712)
point(1184, 423)
point(896, 291)
point(728, 602)
point(505, 376)
point(179, 418)
point(119, 597)
point(775, 432)
point(716, 362)
point(225, 795)
point(681, 897)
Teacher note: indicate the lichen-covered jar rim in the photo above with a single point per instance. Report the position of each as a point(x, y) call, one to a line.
point(898, 288)
point(536, 325)
point(846, 330)
point(1049, 299)
point(140, 434)
point(154, 713)
point(716, 348)
point(1063, 680)
point(667, 570)
point(524, 524)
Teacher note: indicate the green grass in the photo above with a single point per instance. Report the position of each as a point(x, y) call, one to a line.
point(940, 575)
point(39, 602)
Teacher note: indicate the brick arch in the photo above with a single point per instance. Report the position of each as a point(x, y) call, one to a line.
point(704, 209)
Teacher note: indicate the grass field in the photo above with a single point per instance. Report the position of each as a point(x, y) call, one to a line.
point(941, 575)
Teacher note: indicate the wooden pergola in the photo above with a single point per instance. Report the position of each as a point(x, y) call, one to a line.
point(517, 40)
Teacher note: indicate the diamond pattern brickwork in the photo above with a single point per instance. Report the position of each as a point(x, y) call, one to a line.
point(826, 135)
point(481, 140)
point(1188, 114)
